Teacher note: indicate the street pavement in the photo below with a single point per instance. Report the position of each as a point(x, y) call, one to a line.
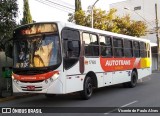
point(145, 94)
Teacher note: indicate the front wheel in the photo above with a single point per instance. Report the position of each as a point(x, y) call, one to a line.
point(87, 89)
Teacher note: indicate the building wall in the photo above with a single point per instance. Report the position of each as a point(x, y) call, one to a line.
point(154, 61)
point(146, 13)
point(141, 10)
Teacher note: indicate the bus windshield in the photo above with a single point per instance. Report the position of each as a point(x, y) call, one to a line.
point(37, 51)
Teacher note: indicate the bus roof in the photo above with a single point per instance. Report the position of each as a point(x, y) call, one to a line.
point(74, 26)
point(71, 25)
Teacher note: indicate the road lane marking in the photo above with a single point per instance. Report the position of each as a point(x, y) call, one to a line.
point(121, 107)
point(128, 104)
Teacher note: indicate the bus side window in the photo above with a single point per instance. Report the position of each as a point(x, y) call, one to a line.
point(71, 47)
point(118, 47)
point(128, 48)
point(136, 48)
point(91, 45)
point(106, 46)
point(143, 50)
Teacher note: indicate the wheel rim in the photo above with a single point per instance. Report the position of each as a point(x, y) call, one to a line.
point(89, 88)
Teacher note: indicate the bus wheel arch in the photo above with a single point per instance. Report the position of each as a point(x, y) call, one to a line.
point(93, 77)
point(135, 70)
point(90, 82)
point(133, 82)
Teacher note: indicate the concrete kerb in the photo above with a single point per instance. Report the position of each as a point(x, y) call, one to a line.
point(17, 96)
point(155, 71)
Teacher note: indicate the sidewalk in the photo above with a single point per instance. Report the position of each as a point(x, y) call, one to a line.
point(155, 71)
point(8, 97)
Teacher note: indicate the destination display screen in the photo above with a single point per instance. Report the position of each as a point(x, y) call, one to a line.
point(35, 29)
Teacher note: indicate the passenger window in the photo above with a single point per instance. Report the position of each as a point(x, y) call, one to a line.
point(106, 46)
point(118, 47)
point(91, 45)
point(128, 48)
point(143, 50)
point(136, 49)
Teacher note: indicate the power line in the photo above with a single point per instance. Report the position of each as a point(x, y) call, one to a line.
point(62, 2)
point(55, 6)
point(139, 16)
point(60, 5)
point(144, 19)
point(49, 5)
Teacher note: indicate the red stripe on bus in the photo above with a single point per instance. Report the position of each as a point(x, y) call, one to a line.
point(38, 77)
point(113, 64)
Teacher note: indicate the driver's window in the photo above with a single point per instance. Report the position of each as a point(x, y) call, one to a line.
point(71, 47)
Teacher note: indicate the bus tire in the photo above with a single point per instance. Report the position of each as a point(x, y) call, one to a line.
point(50, 95)
point(87, 89)
point(133, 82)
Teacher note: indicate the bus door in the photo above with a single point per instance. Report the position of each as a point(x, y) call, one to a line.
point(71, 54)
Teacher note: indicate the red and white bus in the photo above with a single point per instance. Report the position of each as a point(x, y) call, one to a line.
point(61, 58)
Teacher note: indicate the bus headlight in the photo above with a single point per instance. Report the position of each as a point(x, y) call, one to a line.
point(54, 77)
point(12, 77)
point(14, 80)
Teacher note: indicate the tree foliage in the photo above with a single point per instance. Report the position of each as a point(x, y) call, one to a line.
point(78, 5)
point(108, 21)
point(27, 18)
point(8, 14)
point(78, 9)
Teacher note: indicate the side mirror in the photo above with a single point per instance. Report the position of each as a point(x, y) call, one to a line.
point(70, 46)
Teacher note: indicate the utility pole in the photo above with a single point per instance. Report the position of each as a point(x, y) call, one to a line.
point(92, 8)
point(158, 40)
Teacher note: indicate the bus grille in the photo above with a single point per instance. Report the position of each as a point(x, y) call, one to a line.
point(31, 81)
point(35, 89)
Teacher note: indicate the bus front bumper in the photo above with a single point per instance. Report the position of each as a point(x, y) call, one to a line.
point(47, 86)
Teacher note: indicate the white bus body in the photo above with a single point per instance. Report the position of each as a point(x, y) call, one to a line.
point(71, 72)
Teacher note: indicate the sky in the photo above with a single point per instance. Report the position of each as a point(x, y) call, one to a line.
point(41, 12)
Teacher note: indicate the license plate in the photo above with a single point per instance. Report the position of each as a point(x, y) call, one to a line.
point(31, 88)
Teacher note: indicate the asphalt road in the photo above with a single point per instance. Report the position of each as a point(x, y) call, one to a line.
point(145, 94)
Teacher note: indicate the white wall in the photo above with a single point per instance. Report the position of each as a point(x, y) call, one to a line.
point(147, 13)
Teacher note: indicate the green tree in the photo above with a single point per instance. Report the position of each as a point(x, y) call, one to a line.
point(131, 27)
point(81, 18)
point(78, 5)
point(123, 23)
point(137, 28)
point(104, 21)
point(78, 11)
point(108, 21)
point(8, 14)
point(27, 18)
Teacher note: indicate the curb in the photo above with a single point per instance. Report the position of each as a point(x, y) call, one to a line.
point(17, 97)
